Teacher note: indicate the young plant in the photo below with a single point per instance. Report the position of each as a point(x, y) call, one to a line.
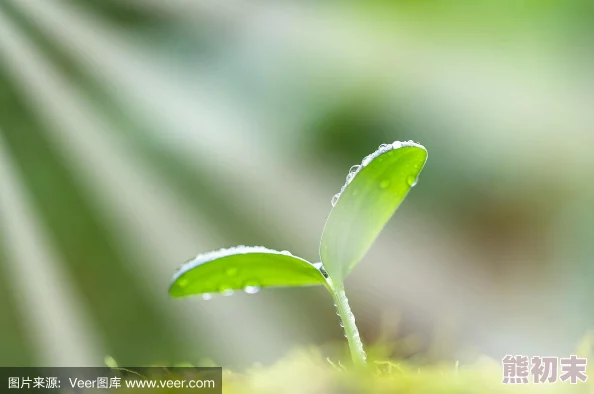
point(372, 193)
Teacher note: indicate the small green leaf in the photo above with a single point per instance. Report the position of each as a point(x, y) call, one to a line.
point(110, 362)
point(373, 192)
point(242, 268)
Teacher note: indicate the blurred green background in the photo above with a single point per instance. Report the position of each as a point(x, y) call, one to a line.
point(135, 134)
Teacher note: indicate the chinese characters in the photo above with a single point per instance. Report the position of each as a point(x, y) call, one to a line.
point(539, 370)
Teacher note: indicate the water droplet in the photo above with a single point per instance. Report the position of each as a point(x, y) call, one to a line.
point(383, 147)
point(411, 181)
point(320, 267)
point(397, 145)
point(286, 253)
point(251, 289)
point(355, 169)
point(231, 271)
point(335, 199)
point(384, 184)
point(350, 177)
point(207, 296)
point(251, 286)
point(210, 256)
point(226, 290)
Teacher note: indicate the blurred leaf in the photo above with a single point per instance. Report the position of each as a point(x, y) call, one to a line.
point(110, 362)
point(243, 268)
point(372, 194)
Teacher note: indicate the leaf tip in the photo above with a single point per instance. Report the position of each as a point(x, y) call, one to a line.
point(383, 148)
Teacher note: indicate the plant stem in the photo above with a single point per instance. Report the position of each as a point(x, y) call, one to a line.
point(343, 310)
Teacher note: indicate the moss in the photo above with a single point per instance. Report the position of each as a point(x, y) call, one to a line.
point(309, 372)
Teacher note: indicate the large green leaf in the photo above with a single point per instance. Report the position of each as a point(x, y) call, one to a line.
point(242, 268)
point(373, 192)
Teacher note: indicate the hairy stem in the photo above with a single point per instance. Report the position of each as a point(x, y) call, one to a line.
point(343, 310)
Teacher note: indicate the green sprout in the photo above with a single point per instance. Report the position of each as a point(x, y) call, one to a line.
point(372, 193)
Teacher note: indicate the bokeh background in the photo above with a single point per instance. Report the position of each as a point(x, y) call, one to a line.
point(135, 134)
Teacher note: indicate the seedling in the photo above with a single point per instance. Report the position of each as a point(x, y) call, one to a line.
point(372, 193)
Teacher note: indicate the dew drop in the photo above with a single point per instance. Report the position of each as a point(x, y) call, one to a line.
point(411, 181)
point(207, 296)
point(350, 177)
point(354, 169)
point(367, 160)
point(226, 290)
point(251, 286)
point(397, 145)
point(383, 147)
point(320, 267)
point(251, 289)
point(335, 199)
